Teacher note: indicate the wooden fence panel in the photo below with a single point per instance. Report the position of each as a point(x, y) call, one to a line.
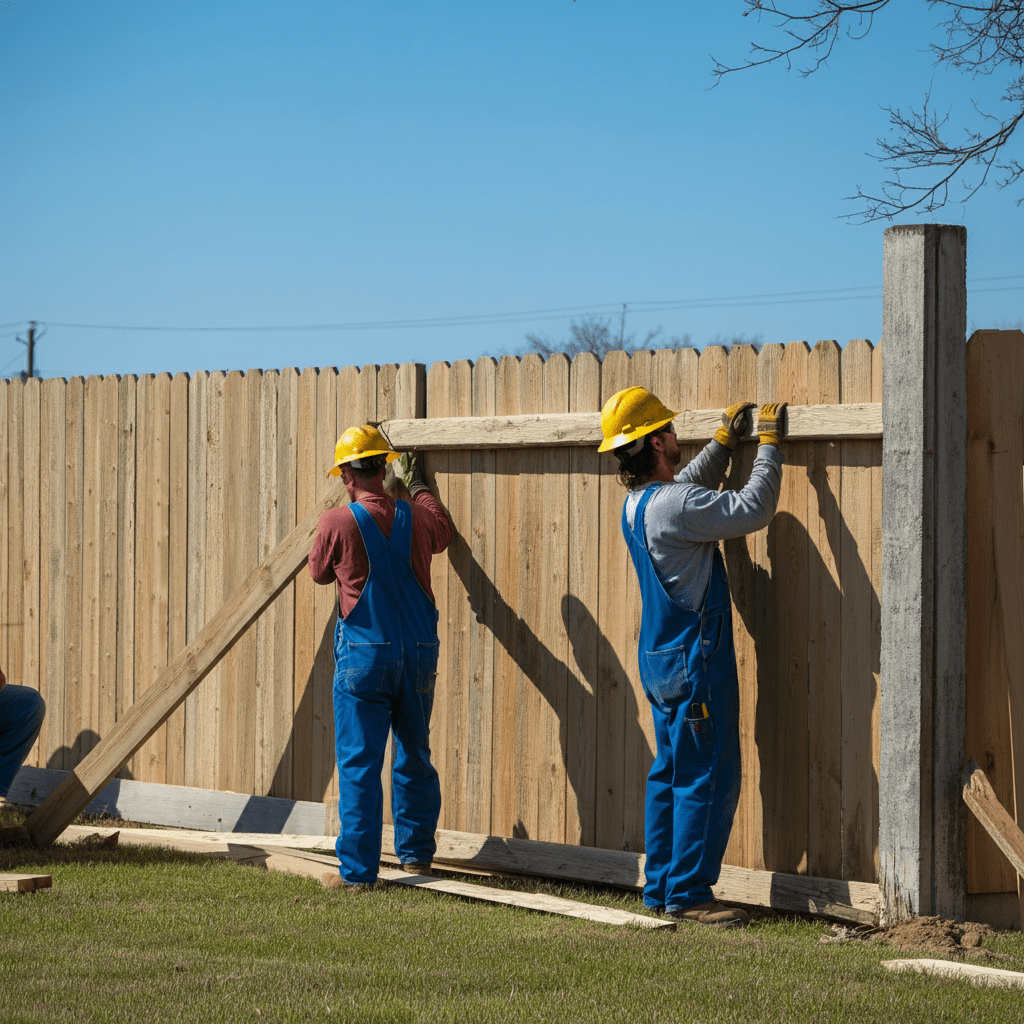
point(151, 499)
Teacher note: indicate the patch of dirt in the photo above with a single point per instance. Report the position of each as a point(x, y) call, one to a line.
point(947, 940)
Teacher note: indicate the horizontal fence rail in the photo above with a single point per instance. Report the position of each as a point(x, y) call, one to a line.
point(132, 507)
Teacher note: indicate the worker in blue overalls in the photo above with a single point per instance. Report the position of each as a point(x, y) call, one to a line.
point(673, 523)
point(377, 551)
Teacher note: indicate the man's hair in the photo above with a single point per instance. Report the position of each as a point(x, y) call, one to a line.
point(638, 468)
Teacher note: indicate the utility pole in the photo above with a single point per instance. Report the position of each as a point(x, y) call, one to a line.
point(31, 345)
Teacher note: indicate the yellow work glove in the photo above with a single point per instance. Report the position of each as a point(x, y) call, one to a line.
point(771, 423)
point(735, 423)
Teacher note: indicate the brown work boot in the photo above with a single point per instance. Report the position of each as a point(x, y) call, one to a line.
point(713, 912)
point(412, 868)
point(332, 880)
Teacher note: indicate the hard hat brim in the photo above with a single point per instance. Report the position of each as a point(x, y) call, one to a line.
point(335, 470)
point(611, 443)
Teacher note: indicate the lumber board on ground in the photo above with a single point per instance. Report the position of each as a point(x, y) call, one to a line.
point(849, 901)
point(24, 883)
point(528, 900)
point(543, 430)
point(179, 679)
point(982, 800)
point(992, 976)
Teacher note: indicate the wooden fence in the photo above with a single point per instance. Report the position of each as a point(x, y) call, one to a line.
point(132, 507)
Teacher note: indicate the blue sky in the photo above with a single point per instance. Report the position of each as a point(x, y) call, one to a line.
point(261, 163)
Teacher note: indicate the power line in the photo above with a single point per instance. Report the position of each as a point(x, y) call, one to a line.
point(555, 313)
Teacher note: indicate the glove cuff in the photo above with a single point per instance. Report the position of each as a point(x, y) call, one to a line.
point(724, 436)
point(415, 487)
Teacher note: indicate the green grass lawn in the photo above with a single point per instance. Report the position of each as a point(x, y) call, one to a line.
point(150, 935)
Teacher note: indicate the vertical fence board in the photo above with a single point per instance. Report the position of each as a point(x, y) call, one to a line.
point(482, 541)
point(579, 612)
point(552, 679)
point(92, 563)
point(74, 445)
point(825, 653)
point(127, 417)
point(860, 815)
point(31, 635)
point(615, 598)
point(13, 540)
point(739, 558)
point(198, 443)
point(6, 387)
point(876, 602)
point(459, 671)
point(508, 464)
point(309, 463)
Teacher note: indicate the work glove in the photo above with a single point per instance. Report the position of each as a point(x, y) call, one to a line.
point(408, 471)
point(771, 423)
point(735, 423)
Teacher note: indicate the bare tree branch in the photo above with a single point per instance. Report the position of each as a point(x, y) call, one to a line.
point(978, 39)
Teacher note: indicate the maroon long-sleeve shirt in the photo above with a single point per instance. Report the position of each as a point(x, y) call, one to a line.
point(339, 556)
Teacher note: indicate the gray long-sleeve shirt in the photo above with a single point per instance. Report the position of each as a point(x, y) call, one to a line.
point(686, 519)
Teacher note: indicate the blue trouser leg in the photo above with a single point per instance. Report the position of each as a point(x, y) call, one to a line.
point(361, 724)
point(21, 717)
point(416, 790)
point(658, 814)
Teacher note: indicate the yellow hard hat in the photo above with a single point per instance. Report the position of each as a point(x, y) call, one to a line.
point(360, 443)
point(630, 414)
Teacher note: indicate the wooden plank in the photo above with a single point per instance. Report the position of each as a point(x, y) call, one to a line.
point(791, 593)
point(988, 725)
point(616, 587)
point(199, 705)
point(13, 542)
point(127, 419)
point(876, 583)
point(308, 463)
point(990, 976)
point(184, 673)
point(579, 612)
point(539, 902)
point(108, 546)
point(997, 822)
point(6, 387)
point(332, 399)
point(825, 528)
point(529, 646)
point(179, 806)
point(508, 464)
point(442, 730)
point(177, 562)
point(637, 726)
point(151, 608)
point(482, 539)
point(544, 430)
point(553, 515)
point(765, 633)
point(75, 722)
point(739, 559)
point(459, 483)
point(860, 786)
point(93, 518)
point(31, 632)
point(24, 883)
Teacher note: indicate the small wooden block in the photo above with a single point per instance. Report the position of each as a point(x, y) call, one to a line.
point(951, 969)
point(24, 883)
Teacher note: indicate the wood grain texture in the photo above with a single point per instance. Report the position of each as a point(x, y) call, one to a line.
point(31, 554)
point(75, 700)
point(545, 430)
point(992, 815)
point(11, 612)
point(825, 527)
point(857, 682)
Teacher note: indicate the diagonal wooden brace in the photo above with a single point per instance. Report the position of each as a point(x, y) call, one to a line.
point(179, 679)
point(982, 800)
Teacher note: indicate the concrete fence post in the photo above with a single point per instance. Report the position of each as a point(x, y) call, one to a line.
point(922, 818)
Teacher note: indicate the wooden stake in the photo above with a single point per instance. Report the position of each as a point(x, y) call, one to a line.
point(179, 679)
point(981, 798)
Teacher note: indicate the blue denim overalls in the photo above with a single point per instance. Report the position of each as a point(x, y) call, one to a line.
point(385, 656)
point(688, 669)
